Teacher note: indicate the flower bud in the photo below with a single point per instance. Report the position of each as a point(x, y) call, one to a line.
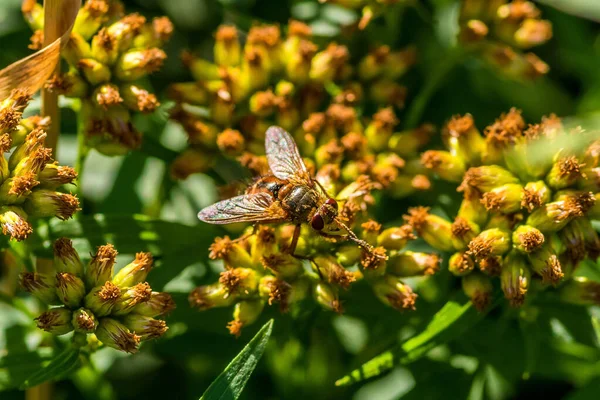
point(472, 210)
point(533, 32)
point(380, 129)
point(527, 239)
point(138, 63)
point(48, 203)
point(66, 258)
point(244, 313)
point(506, 199)
point(107, 95)
point(276, 291)
point(298, 61)
point(56, 321)
point(84, 321)
point(486, 178)
point(283, 265)
point(327, 64)
point(580, 291)
point(463, 231)
point(134, 272)
point(41, 286)
point(76, 49)
point(209, 296)
point(95, 72)
point(102, 299)
point(189, 162)
point(461, 264)
point(393, 292)
point(535, 194)
point(564, 173)
point(227, 50)
point(146, 327)
point(54, 175)
point(139, 99)
point(124, 30)
point(545, 263)
point(100, 268)
point(70, 289)
point(231, 142)
point(116, 335)
point(349, 255)
point(395, 238)
point(478, 287)
point(515, 279)
point(90, 17)
point(412, 263)
point(327, 296)
point(131, 297)
point(232, 252)
point(552, 217)
point(104, 47)
point(14, 224)
point(444, 164)
point(435, 230)
point(160, 303)
point(11, 109)
point(241, 282)
point(491, 242)
point(330, 271)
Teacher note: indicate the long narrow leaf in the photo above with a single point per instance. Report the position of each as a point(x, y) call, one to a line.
point(231, 382)
point(447, 324)
point(65, 363)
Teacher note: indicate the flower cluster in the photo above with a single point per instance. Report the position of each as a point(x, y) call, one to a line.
point(120, 309)
point(259, 269)
point(109, 55)
point(500, 31)
point(316, 95)
point(530, 193)
point(29, 179)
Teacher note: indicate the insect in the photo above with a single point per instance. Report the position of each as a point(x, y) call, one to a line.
point(288, 195)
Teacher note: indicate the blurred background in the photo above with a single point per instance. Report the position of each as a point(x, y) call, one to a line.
point(308, 352)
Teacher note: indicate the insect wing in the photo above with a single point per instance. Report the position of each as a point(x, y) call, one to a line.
point(246, 208)
point(283, 156)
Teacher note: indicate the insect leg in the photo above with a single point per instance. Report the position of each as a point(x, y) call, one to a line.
point(292, 248)
point(247, 235)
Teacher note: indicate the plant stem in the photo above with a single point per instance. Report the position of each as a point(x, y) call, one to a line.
point(82, 151)
point(417, 108)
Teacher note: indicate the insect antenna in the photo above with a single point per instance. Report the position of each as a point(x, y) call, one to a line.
point(362, 243)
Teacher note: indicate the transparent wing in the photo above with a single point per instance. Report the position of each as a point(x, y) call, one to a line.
point(283, 156)
point(257, 207)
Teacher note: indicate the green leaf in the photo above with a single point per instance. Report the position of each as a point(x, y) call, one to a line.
point(61, 366)
point(589, 9)
point(447, 324)
point(588, 392)
point(231, 382)
point(17, 366)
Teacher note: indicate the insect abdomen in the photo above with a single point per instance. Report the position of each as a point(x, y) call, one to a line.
point(298, 200)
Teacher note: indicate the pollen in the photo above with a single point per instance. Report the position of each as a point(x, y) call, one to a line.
point(431, 159)
point(198, 299)
point(371, 226)
point(491, 265)
point(257, 165)
point(373, 259)
point(420, 182)
point(460, 125)
point(235, 327)
point(481, 300)
point(531, 240)
point(232, 280)
point(5, 143)
point(68, 205)
point(300, 29)
point(96, 8)
point(417, 217)
point(279, 292)
point(142, 292)
point(226, 34)
point(153, 59)
point(85, 322)
point(106, 40)
point(569, 167)
point(135, 22)
point(307, 50)
point(552, 274)
point(460, 227)
point(480, 247)
point(403, 300)
point(63, 248)
point(268, 36)
point(339, 54)
point(36, 40)
point(343, 117)
point(385, 119)
point(493, 201)
point(22, 185)
point(109, 96)
point(109, 292)
point(531, 199)
point(354, 143)
point(163, 28)
point(231, 141)
point(146, 102)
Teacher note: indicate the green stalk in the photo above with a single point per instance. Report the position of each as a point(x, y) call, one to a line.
point(433, 81)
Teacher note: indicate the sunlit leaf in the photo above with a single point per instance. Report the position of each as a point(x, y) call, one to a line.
point(447, 324)
point(231, 382)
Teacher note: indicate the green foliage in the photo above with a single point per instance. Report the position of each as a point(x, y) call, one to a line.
point(230, 383)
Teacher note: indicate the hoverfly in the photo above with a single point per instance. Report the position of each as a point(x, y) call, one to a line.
point(290, 194)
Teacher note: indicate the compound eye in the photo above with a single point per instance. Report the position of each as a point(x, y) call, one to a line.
point(317, 222)
point(332, 203)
